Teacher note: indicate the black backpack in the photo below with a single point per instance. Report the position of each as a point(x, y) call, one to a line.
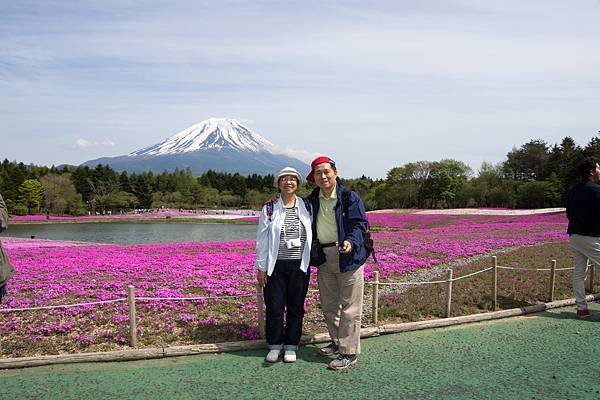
point(367, 239)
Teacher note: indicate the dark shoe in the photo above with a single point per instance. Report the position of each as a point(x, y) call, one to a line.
point(583, 313)
point(342, 362)
point(329, 351)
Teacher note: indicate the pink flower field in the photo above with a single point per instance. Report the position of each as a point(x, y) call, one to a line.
point(53, 273)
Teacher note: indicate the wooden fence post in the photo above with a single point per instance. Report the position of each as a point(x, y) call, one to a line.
point(494, 283)
point(375, 308)
point(591, 278)
point(133, 342)
point(449, 294)
point(552, 279)
point(260, 305)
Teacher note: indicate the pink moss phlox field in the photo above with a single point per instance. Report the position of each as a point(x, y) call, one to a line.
point(52, 273)
point(75, 273)
point(417, 241)
point(416, 221)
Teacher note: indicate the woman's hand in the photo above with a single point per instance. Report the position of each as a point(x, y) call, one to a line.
point(346, 247)
point(261, 277)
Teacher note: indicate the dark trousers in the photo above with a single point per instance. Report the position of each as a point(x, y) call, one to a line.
point(285, 291)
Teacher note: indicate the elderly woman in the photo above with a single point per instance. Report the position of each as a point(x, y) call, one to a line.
point(282, 256)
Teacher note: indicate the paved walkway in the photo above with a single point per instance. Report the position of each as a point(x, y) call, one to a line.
point(546, 356)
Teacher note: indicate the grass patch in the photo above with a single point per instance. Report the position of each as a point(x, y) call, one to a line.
point(473, 295)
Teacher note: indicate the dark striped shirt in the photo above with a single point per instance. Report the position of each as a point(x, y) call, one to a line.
point(290, 230)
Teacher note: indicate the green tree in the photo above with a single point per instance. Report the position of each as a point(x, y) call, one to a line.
point(60, 195)
point(31, 194)
point(592, 149)
point(529, 162)
point(538, 194)
point(121, 201)
point(229, 199)
point(563, 162)
point(404, 186)
point(209, 197)
point(445, 180)
point(255, 199)
point(142, 188)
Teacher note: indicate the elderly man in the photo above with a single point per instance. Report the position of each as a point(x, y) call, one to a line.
point(339, 223)
point(583, 212)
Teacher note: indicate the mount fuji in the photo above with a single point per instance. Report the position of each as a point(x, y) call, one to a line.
point(220, 144)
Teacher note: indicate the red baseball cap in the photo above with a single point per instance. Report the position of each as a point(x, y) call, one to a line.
point(317, 161)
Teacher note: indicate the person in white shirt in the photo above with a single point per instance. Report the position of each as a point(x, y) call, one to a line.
point(283, 241)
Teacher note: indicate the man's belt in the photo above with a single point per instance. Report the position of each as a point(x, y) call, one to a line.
point(329, 244)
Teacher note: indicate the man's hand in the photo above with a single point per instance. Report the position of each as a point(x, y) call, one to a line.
point(261, 277)
point(346, 247)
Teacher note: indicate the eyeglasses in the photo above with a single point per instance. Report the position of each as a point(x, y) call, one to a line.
point(288, 179)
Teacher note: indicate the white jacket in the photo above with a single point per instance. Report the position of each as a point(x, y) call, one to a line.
point(268, 235)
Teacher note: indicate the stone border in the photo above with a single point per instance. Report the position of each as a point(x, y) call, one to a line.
point(174, 351)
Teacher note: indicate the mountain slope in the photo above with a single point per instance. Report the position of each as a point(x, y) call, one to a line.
point(219, 144)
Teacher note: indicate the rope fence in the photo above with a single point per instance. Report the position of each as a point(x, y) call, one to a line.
point(131, 300)
point(375, 283)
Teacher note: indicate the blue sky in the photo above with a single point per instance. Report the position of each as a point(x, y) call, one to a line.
point(372, 84)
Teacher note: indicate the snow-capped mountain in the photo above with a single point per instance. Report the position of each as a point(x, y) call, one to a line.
point(220, 144)
point(214, 133)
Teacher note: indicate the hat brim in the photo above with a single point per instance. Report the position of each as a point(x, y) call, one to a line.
point(295, 175)
point(311, 177)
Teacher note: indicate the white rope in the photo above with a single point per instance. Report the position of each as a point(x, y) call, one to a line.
point(192, 298)
point(471, 274)
point(403, 283)
point(524, 269)
point(564, 269)
point(61, 306)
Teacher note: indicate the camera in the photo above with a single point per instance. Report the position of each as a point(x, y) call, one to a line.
point(292, 243)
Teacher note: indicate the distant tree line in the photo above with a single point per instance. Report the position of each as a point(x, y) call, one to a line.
point(535, 175)
point(29, 189)
point(532, 176)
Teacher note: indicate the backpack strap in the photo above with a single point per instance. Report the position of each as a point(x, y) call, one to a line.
point(270, 205)
point(368, 243)
point(308, 205)
point(345, 201)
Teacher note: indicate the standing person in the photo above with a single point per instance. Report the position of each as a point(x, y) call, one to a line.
point(6, 269)
point(339, 222)
point(282, 256)
point(583, 212)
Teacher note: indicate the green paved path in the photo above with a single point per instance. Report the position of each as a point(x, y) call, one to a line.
point(547, 356)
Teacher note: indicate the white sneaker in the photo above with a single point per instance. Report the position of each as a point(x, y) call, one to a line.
point(273, 355)
point(289, 356)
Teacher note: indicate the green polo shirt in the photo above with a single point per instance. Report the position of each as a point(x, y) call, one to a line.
point(326, 226)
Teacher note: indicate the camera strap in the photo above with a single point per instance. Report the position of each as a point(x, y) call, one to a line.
point(285, 232)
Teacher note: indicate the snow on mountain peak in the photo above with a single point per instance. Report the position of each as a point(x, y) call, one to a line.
point(213, 133)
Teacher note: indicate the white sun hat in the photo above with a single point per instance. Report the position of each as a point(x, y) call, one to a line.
point(287, 171)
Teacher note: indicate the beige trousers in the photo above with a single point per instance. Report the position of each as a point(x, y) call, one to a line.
point(341, 300)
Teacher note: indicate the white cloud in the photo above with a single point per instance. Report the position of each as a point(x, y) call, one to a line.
point(301, 155)
point(385, 81)
point(86, 144)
